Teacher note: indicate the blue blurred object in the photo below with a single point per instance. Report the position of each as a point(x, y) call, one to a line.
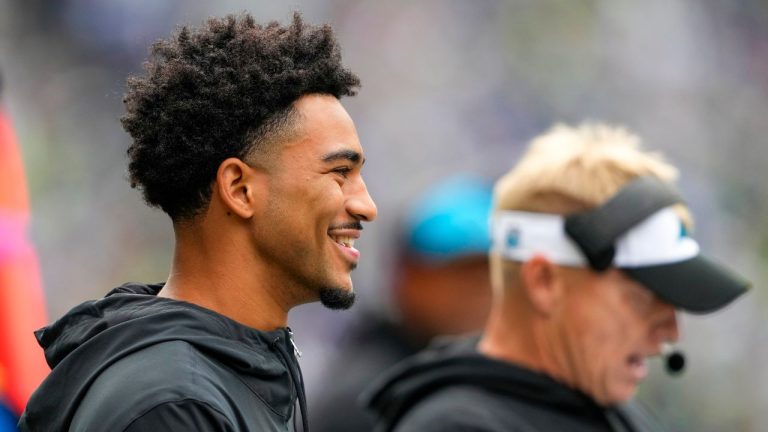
point(7, 419)
point(451, 220)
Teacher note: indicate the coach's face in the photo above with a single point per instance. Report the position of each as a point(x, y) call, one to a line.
point(612, 324)
point(316, 201)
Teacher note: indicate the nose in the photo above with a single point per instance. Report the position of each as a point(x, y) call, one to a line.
point(666, 328)
point(360, 204)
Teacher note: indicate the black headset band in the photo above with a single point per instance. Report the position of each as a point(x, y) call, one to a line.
point(596, 231)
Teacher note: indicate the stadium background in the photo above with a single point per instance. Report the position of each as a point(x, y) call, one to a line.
point(448, 86)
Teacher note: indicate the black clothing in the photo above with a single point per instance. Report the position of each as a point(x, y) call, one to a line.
point(135, 362)
point(370, 345)
point(454, 388)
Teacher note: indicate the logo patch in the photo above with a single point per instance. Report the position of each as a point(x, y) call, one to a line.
point(513, 238)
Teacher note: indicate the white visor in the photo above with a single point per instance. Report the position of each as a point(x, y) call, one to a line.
point(657, 240)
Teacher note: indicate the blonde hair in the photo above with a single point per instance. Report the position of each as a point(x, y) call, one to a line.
point(570, 169)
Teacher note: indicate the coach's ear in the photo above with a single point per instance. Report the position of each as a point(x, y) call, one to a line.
point(542, 283)
point(240, 187)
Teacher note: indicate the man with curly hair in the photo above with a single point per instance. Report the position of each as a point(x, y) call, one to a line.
point(239, 136)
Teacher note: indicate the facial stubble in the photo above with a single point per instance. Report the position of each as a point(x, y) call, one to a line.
point(336, 298)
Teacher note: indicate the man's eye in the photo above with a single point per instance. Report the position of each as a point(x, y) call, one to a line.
point(343, 171)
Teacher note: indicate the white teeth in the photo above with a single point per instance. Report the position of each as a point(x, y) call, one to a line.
point(344, 241)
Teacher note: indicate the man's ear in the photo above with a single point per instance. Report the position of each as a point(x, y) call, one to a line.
point(543, 284)
point(238, 188)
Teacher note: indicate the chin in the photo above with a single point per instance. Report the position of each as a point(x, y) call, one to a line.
point(337, 298)
point(620, 397)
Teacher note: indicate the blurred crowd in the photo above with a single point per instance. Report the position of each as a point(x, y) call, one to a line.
point(447, 87)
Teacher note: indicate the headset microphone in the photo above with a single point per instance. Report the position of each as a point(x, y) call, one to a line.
point(674, 360)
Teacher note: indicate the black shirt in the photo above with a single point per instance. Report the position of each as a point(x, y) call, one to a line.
point(455, 388)
point(135, 362)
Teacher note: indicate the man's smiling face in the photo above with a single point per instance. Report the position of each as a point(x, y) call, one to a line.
point(316, 201)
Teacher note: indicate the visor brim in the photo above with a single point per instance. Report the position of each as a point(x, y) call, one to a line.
point(697, 285)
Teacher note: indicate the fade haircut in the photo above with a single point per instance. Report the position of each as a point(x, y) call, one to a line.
point(223, 90)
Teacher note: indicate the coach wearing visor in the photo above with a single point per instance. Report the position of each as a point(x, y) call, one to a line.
point(591, 260)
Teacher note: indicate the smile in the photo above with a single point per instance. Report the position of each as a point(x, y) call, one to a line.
point(344, 241)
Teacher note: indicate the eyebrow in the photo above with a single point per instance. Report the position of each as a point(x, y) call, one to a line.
point(349, 155)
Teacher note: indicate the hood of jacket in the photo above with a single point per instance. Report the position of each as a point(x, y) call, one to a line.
point(460, 364)
point(96, 334)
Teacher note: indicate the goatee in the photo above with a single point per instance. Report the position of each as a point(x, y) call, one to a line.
point(337, 298)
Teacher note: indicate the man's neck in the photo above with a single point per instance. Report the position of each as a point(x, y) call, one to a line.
point(516, 337)
point(219, 277)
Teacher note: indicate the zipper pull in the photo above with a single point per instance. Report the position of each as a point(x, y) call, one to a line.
point(296, 351)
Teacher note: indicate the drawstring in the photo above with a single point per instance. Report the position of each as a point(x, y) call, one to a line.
point(298, 381)
point(615, 422)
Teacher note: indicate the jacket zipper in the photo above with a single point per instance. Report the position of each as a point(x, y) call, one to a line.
point(296, 351)
point(296, 377)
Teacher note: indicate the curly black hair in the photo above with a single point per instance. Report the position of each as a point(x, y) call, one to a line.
point(221, 91)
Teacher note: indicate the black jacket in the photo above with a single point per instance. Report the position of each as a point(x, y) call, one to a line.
point(454, 388)
point(135, 362)
point(370, 345)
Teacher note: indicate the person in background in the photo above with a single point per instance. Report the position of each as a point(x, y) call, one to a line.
point(441, 287)
point(22, 301)
point(240, 137)
point(591, 260)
